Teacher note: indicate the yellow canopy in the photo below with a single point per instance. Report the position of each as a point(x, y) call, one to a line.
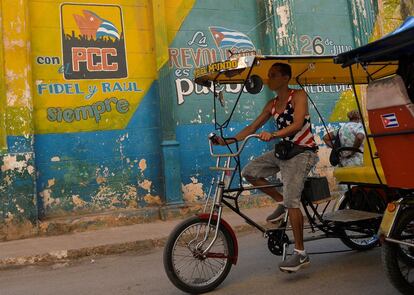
point(308, 70)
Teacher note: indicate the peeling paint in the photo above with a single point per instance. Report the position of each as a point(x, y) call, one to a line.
point(197, 120)
point(30, 169)
point(51, 182)
point(55, 159)
point(10, 44)
point(284, 14)
point(47, 199)
point(104, 197)
point(7, 180)
point(100, 180)
point(21, 210)
point(146, 184)
point(361, 8)
point(193, 191)
point(142, 165)
point(105, 172)
point(285, 30)
point(9, 217)
point(10, 162)
point(131, 193)
point(152, 200)
point(77, 201)
point(110, 198)
point(123, 137)
point(11, 75)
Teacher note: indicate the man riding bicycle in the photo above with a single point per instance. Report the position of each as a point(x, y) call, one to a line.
point(291, 114)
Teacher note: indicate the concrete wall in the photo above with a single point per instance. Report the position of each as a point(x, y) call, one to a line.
point(91, 124)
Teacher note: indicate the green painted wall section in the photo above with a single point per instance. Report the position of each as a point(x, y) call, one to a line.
point(363, 13)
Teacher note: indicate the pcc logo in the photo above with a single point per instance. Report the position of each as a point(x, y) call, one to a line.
point(93, 42)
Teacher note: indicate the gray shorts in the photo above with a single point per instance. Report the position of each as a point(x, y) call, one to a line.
point(294, 172)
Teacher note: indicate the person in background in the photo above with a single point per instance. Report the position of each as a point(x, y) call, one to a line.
point(351, 134)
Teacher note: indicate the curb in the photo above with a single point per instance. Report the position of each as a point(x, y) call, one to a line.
point(63, 256)
point(84, 222)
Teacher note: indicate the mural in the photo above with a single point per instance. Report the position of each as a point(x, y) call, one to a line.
point(95, 49)
point(184, 60)
point(94, 93)
point(95, 107)
point(72, 90)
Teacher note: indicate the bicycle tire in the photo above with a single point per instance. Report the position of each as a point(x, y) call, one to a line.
point(393, 256)
point(198, 285)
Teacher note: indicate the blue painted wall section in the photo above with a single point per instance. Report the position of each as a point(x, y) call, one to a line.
point(17, 192)
point(18, 208)
point(171, 171)
point(196, 160)
point(93, 171)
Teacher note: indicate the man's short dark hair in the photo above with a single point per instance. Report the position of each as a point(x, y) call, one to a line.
point(284, 69)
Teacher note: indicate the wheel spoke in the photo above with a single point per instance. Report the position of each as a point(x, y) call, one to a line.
point(190, 265)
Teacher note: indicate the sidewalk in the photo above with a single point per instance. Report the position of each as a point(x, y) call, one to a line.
point(115, 240)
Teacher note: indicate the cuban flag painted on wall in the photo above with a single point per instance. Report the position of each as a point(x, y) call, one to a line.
point(93, 26)
point(389, 120)
point(230, 38)
point(107, 29)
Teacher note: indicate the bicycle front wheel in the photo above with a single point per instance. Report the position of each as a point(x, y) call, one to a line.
point(190, 270)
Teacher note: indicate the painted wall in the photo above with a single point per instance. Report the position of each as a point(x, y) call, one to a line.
point(284, 27)
point(80, 130)
point(93, 65)
point(99, 109)
point(18, 208)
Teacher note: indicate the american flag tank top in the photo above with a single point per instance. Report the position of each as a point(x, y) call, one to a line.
point(304, 136)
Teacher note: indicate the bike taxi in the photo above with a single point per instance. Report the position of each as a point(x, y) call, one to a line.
point(202, 249)
point(390, 106)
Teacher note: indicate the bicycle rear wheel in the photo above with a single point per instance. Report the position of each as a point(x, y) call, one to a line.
point(359, 202)
point(184, 263)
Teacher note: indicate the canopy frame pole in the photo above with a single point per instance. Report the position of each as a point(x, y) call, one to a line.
point(363, 125)
point(313, 103)
point(221, 127)
point(226, 122)
point(370, 75)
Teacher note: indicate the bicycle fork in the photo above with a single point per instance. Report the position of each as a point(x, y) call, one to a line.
point(216, 206)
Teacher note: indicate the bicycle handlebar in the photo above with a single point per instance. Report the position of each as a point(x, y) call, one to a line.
point(211, 140)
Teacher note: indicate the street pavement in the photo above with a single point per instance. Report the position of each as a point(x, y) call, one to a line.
point(343, 273)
